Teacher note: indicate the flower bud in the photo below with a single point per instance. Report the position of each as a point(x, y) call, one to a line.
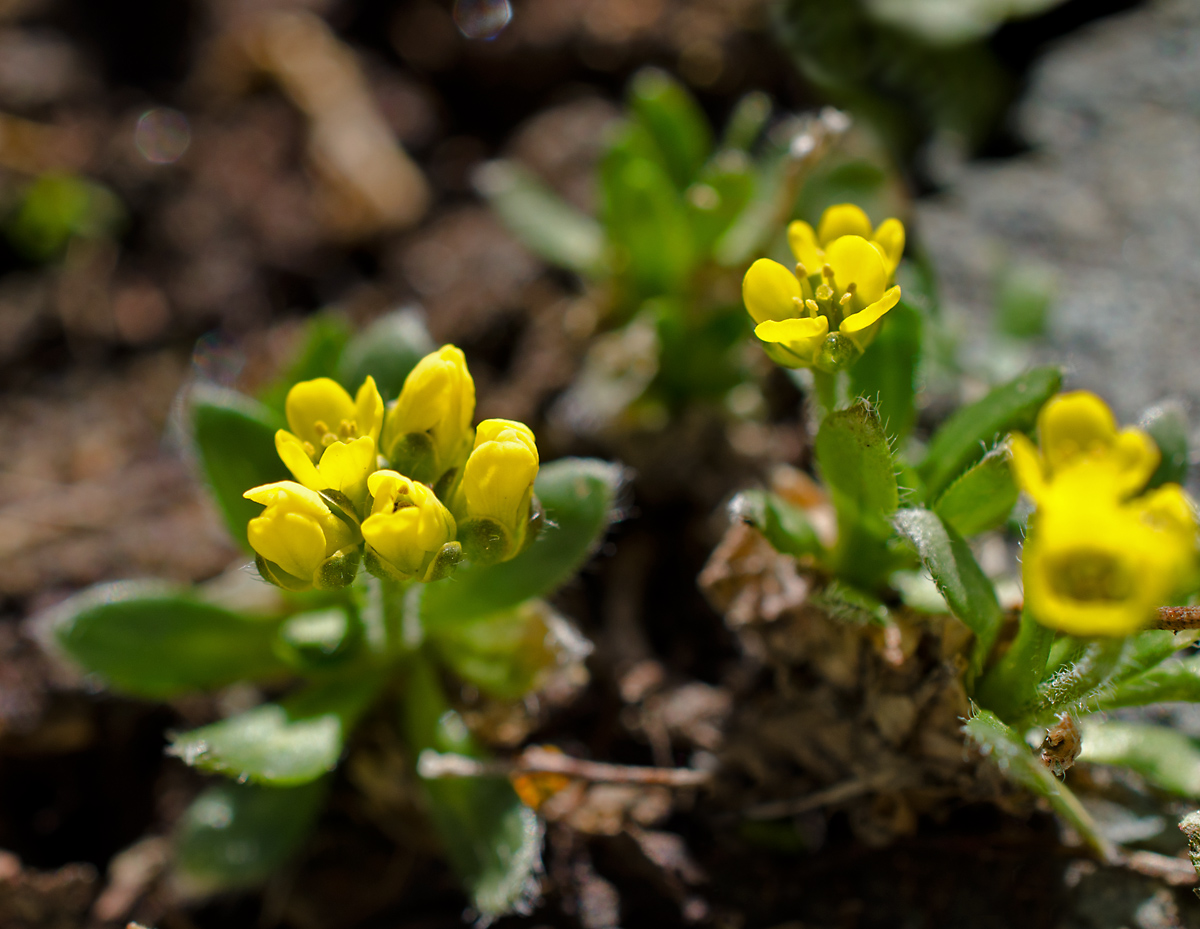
point(320, 413)
point(427, 432)
point(299, 541)
point(494, 501)
point(410, 533)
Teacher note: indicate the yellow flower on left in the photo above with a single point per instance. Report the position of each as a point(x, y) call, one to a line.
point(320, 413)
point(297, 531)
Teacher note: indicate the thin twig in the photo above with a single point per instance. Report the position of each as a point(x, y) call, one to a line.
point(537, 760)
point(1178, 618)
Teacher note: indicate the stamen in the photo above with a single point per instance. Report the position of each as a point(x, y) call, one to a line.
point(309, 450)
point(845, 298)
point(813, 306)
point(827, 272)
point(801, 271)
point(348, 429)
point(328, 439)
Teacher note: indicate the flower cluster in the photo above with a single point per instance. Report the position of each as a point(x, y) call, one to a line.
point(826, 313)
point(1102, 552)
point(408, 491)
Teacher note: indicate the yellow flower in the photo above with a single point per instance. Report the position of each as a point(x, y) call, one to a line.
point(321, 413)
point(828, 325)
point(809, 247)
point(299, 535)
point(1078, 437)
point(408, 529)
point(427, 433)
point(1099, 558)
point(496, 494)
point(1093, 565)
point(344, 466)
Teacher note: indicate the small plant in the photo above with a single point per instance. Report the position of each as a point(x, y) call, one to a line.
point(680, 216)
point(383, 503)
point(1110, 538)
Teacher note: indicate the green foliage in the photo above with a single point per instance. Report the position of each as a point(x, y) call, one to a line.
point(546, 223)
point(785, 526)
point(282, 745)
point(973, 429)
point(1167, 759)
point(1171, 681)
point(579, 496)
point(157, 641)
point(982, 498)
point(492, 839)
point(56, 208)
point(1010, 753)
point(1168, 426)
point(234, 439)
point(855, 460)
point(886, 374)
point(959, 579)
point(674, 122)
point(235, 835)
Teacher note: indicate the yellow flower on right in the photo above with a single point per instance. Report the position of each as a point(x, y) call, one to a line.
point(1102, 553)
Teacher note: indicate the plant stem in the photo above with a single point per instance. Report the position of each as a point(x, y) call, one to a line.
point(1010, 687)
point(825, 389)
point(538, 760)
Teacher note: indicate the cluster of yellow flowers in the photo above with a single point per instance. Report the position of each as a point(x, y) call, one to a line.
point(1102, 552)
point(826, 313)
point(409, 491)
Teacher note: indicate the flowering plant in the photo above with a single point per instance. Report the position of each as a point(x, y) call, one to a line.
point(357, 511)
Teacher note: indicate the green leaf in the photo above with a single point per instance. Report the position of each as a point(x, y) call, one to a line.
point(282, 745)
point(748, 120)
point(491, 838)
point(325, 337)
point(578, 496)
point(1010, 687)
point(508, 655)
point(1102, 665)
point(982, 498)
point(725, 187)
point(1010, 753)
point(235, 442)
point(1168, 426)
point(1168, 759)
point(645, 218)
point(967, 435)
point(1173, 681)
point(948, 559)
point(674, 121)
point(386, 350)
point(542, 220)
point(157, 641)
point(855, 461)
point(235, 835)
point(785, 526)
point(886, 374)
point(856, 464)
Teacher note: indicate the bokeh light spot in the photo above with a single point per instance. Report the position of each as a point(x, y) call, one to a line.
point(162, 135)
point(482, 19)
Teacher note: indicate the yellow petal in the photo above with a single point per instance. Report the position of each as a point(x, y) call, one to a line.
point(770, 291)
point(856, 261)
point(803, 338)
point(843, 219)
point(322, 400)
point(1027, 465)
point(506, 430)
point(1074, 424)
point(292, 453)
point(858, 325)
point(345, 467)
point(368, 409)
point(1136, 457)
point(889, 237)
point(294, 541)
point(803, 242)
point(290, 494)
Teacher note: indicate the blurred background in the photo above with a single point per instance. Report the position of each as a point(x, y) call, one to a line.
point(184, 186)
